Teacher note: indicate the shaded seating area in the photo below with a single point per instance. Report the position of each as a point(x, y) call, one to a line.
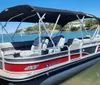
point(32, 47)
point(11, 48)
point(59, 42)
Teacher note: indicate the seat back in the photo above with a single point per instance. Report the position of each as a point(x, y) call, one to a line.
point(69, 42)
point(59, 41)
point(44, 43)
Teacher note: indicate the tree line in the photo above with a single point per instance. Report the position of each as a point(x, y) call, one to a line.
point(90, 24)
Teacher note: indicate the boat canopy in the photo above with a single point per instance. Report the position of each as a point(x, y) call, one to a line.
point(18, 13)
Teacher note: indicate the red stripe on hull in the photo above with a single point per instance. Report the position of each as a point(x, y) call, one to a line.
point(38, 66)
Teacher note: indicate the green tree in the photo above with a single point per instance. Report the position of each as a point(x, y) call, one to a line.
point(29, 29)
point(94, 27)
point(89, 23)
point(74, 28)
point(18, 31)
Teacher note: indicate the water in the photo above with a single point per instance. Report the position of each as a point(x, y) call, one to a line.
point(90, 76)
point(25, 37)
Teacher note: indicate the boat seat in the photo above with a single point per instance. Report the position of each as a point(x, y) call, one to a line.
point(75, 44)
point(28, 44)
point(44, 43)
point(10, 48)
point(59, 42)
point(56, 40)
point(69, 42)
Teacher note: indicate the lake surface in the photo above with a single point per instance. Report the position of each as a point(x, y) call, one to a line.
point(25, 37)
point(90, 76)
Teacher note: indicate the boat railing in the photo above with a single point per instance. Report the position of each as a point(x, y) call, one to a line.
point(69, 53)
point(3, 60)
point(55, 51)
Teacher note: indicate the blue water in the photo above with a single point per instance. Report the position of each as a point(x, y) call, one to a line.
point(26, 37)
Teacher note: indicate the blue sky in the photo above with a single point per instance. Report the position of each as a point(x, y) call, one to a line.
point(87, 6)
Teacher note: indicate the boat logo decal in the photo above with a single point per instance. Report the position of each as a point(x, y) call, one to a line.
point(31, 67)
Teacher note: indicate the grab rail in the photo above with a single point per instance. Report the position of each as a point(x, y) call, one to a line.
point(3, 60)
point(68, 47)
point(81, 50)
point(69, 56)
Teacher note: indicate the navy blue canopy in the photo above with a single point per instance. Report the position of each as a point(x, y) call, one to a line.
point(51, 14)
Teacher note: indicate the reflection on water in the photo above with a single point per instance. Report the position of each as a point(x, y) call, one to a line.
point(90, 76)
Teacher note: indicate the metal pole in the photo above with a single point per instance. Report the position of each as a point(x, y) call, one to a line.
point(94, 33)
point(6, 24)
point(6, 31)
point(69, 56)
point(39, 37)
point(3, 61)
point(81, 34)
point(80, 27)
point(55, 24)
point(98, 29)
point(81, 51)
point(45, 28)
point(13, 17)
point(81, 21)
point(21, 22)
point(2, 36)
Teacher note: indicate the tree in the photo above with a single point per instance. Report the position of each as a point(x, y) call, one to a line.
point(29, 29)
point(89, 23)
point(94, 27)
point(74, 28)
point(18, 31)
point(51, 25)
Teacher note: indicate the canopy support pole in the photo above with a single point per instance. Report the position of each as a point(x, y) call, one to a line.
point(98, 29)
point(40, 19)
point(8, 21)
point(21, 22)
point(84, 27)
point(96, 32)
point(13, 18)
point(81, 21)
point(45, 27)
point(5, 31)
point(80, 27)
point(2, 35)
point(39, 37)
point(55, 24)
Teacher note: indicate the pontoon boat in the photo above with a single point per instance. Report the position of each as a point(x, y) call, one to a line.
point(23, 61)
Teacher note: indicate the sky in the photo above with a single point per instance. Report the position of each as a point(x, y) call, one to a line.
point(87, 6)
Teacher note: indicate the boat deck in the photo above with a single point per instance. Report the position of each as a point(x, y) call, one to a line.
point(22, 54)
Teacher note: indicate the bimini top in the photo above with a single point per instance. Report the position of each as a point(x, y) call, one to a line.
point(18, 13)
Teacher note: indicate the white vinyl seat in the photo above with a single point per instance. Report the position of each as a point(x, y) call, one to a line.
point(61, 42)
point(44, 44)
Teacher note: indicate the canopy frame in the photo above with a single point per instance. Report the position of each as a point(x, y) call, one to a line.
point(41, 17)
